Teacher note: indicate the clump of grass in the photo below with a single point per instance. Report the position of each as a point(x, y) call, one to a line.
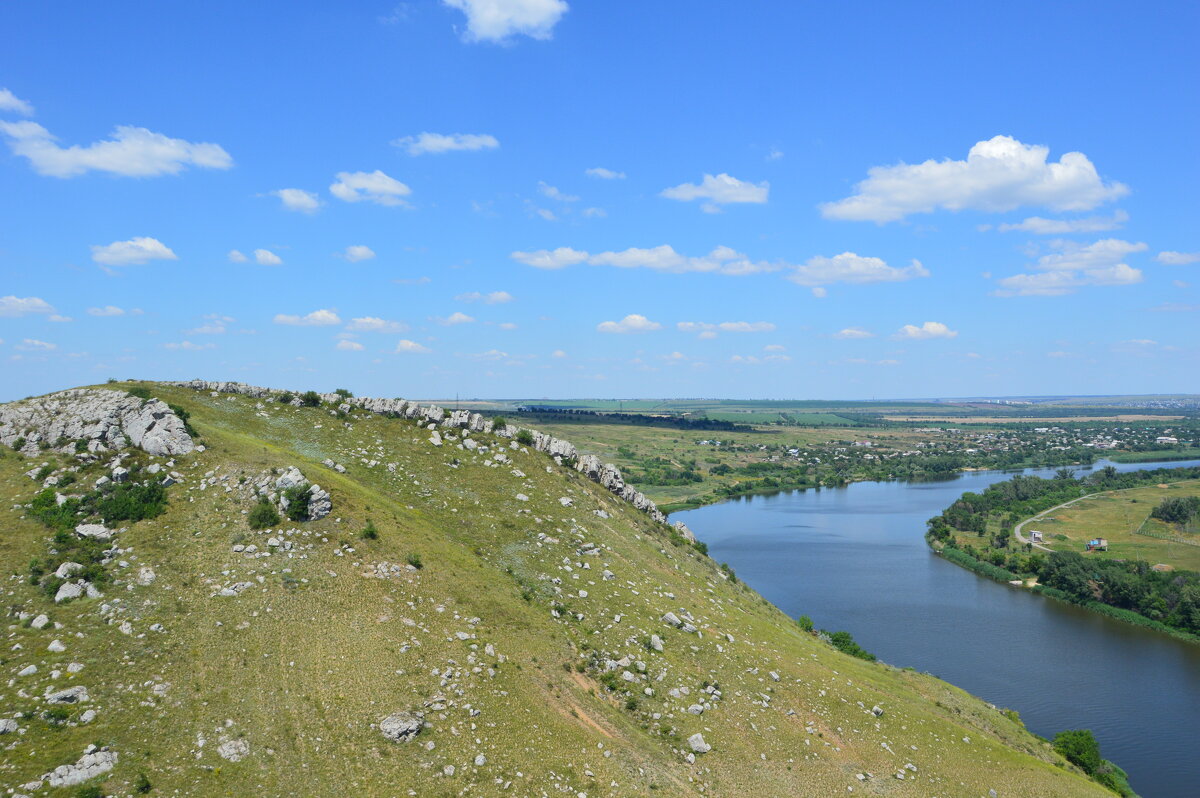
point(415, 561)
point(370, 531)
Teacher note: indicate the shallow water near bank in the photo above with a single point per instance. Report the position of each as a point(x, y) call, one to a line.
point(855, 558)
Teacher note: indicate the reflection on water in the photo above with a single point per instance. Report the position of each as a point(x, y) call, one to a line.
point(857, 560)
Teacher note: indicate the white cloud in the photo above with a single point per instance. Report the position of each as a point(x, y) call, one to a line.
point(356, 253)
point(604, 174)
point(551, 258)
point(1075, 266)
point(133, 251)
point(189, 346)
point(491, 298)
point(849, 267)
point(853, 333)
point(775, 154)
point(496, 20)
point(454, 318)
point(507, 325)
point(1178, 258)
point(720, 190)
point(709, 330)
point(593, 213)
point(265, 257)
point(774, 348)
point(350, 346)
point(633, 323)
point(107, 310)
point(405, 345)
point(755, 360)
point(374, 187)
point(1092, 224)
point(58, 319)
point(34, 345)
point(297, 199)
point(373, 324)
point(722, 260)
point(131, 152)
point(558, 353)
point(318, 318)
point(236, 257)
point(438, 143)
point(553, 193)
point(13, 103)
point(14, 306)
point(998, 175)
point(215, 325)
point(546, 214)
point(927, 331)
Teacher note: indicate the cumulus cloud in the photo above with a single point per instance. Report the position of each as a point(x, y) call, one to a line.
point(134, 251)
point(349, 346)
point(604, 174)
point(405, 345)
point(59, 319)
point(438, 143)
point(358, 252)
point(130, 152)
point(34, 345)
point(553, 193)
point(14, 104)
point(265, 257)
point(710, 329)
point(999, 174)
point(853, 333)
point(720, 190)
point(297, 199)
point(594, 213)
point(454, 318)
point(1073, 266)
point(633, 323)
point(491, 298)
point(497, 20)
point(374, 187)
point(1092, 224)
point(1178, 258)
point(107, 310)
point(551, 258)
point(849, 267)
point(755, 360)
point(927, 331)
point(214, 325)
point(14, 306)
point(189, 346)
point(236, 257)
point(318, 318)
point(374, 324)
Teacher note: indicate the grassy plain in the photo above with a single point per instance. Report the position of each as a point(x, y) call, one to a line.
point(1119, 516)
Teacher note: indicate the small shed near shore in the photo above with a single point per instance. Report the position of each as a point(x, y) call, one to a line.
point(1097, 544)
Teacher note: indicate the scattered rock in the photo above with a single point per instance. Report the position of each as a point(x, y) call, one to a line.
point(234, 750)
point(72, 695)
point(93, 763)
point(401, 726)
point(696, 741)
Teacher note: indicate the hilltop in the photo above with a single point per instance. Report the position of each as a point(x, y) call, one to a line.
point(216, 589)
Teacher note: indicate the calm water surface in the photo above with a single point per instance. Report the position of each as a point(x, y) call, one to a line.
point(855, 558)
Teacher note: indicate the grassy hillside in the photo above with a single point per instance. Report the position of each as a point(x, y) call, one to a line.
point(532, 661)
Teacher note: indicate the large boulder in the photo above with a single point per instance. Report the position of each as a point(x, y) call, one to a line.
point(401, 726)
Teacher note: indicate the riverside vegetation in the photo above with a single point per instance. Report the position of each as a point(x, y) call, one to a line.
point(304, 596)
point(978, 532)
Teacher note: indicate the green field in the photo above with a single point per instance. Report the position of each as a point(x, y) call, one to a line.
point(1123, 518)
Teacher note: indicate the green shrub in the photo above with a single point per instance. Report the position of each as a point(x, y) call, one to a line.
point(499, 422)
point(44, 472)
point(19, 444)
point(142, 784)
point(415, 561)
point(525, 438)
point(844, 642)
point(129, 502)
point(805, 623)
point(369, 532)
point(345, 394)
point(297, 498)
point(90, 791)
point(701, 547)
point(184, 416)
point(263, 515)
point(286, 398)
point(139, 392)
point(310, 399)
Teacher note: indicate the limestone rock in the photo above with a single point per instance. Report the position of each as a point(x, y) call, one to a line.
point(696, 741)
point(106, 419)
point(401, 726)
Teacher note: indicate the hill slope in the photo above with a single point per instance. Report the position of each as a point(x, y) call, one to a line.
point(505, 621)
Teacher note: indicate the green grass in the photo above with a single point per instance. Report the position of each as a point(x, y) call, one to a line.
point(301, 663)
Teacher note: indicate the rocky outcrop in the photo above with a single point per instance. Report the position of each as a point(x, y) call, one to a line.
point(272, 487)
point(94, 762)
point(564, 452)
point(104, 419)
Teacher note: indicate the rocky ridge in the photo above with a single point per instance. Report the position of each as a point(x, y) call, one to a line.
point(563, 452)
point(105, 419)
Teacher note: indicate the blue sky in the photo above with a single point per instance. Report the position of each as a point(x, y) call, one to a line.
point(539, 198)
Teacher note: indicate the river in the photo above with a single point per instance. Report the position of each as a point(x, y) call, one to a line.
point(855, 558)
